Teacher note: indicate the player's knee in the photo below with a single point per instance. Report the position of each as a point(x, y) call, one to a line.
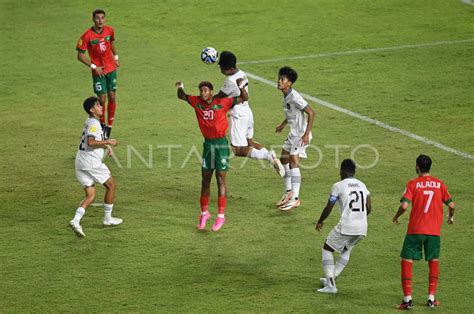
point(110, 184)
point(90, 194)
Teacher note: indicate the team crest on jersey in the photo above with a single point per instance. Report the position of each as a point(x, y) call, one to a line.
point(93, 129)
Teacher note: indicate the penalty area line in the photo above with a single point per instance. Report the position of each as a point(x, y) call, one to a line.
point(371, 121)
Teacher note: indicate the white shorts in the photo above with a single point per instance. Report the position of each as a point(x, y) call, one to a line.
point(88, 177)
point(338, 241)
point(292, 145)
point(241, 126)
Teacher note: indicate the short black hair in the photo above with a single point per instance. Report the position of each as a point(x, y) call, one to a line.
point(289, 73)
point(89, 103)
point(424, 163)
point(227, 60)
point(348, 167)
point(207, 84)
point(97, 11)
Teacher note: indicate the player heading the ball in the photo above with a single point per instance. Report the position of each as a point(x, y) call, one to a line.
point(241, 116)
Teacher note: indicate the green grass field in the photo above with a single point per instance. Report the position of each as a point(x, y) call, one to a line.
point(262, 260)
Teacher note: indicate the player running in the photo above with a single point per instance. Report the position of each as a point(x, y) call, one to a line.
point(354, 205)
point(241, 116)
point(211, 115)
point(294, 148)
point(99, 42)
point(427, 195)
point(91, 169)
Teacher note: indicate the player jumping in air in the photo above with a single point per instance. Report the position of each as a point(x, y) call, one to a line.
point(354, 205)
point(298, 139)
point(211, 115)
point(91, 169)
point(427, 195)
point(99, 42)
point(241, 116)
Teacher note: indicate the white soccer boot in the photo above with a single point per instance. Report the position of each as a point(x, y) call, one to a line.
point(112, 221)
point(328, 289)
point(77, 228)
point(276, 163)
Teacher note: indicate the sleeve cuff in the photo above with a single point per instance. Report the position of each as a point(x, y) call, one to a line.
point(404, 199)
point(449, 200)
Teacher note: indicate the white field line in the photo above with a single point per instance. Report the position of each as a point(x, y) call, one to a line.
point(350, 52)
point(471, 2)
point(370, 120)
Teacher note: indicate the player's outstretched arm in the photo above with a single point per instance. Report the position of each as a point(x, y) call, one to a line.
point(310, 112)
point(451, 213)
point(244, 96)
point(92, 142)
point(115, 52)
point(325, 214)
point(403, 207)
point(282, 125)
point(180, 92)
point(368, 205)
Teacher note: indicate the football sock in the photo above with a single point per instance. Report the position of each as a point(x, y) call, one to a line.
point(79, 213)
point(260, 154)
point(328, 267)
point(287, 177)
point(220, 216)
point(102, 117)
point(221, 204)
point(341, 262)
point(433, 278)
point(406, 279)
point(108, 210)
point(111, 113)
point(204, 201)
point(295, 182)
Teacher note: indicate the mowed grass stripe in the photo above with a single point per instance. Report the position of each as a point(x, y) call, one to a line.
point(351, 52)
point(370, 120)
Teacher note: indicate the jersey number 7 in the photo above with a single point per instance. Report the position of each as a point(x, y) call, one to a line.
point(430, 198)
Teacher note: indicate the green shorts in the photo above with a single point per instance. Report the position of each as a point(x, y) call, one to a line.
point(414, 243)
point(215, 154)
point(104, 84)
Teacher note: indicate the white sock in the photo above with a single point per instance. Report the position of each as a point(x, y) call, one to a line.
point(204, 213)
point(407, 298)
point(287, 177)
point(431, 297)
point(79, 213)
point(341, 263)
point(295, 182)
point(328, 267)
point(260, 153)
point(108, 210)
point(220, 216)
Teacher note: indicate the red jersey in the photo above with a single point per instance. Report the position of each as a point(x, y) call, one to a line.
point(212, 118)
point(99, 47)
point(427, 194)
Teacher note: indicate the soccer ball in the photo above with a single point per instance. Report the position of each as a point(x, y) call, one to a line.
point(209, 55)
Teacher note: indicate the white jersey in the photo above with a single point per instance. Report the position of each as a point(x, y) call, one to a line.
point(351, 194)
point(87, 157)
point(231, 89)
point(293, 106)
